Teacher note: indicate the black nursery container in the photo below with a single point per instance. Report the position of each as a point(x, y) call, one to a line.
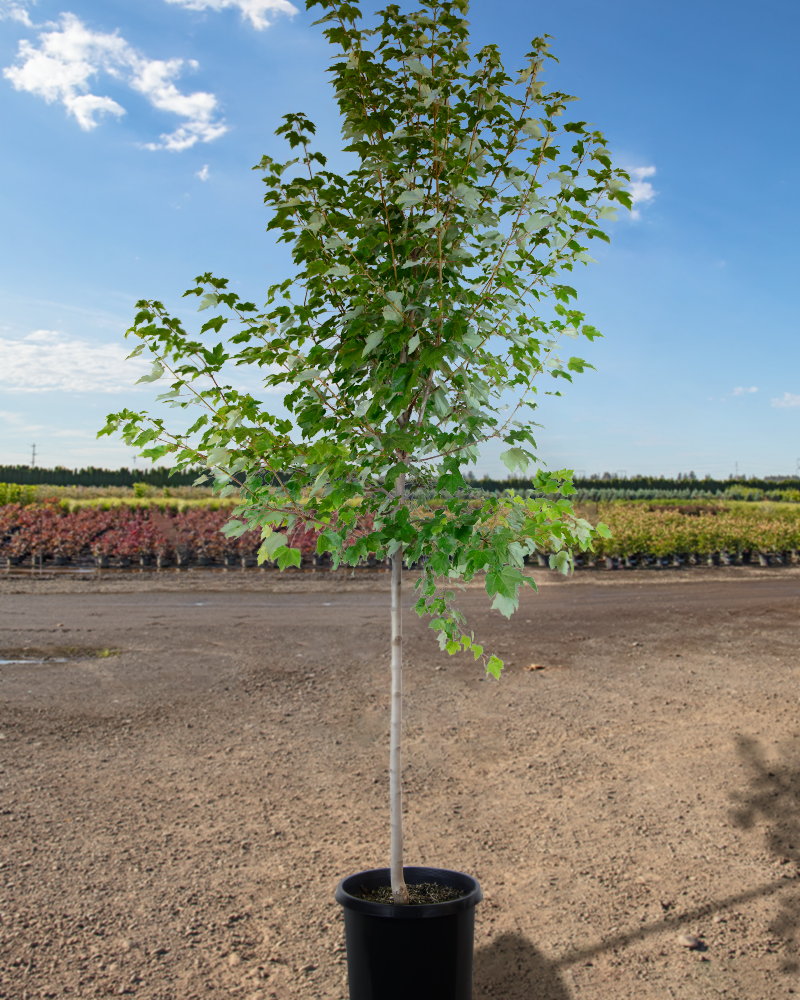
point(422, 951)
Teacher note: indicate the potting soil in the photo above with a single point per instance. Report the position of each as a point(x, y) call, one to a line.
point(424, 892)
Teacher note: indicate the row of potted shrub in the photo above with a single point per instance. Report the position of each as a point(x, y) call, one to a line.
point(14, 493)
point(122, 535)
point(723, 533)
point(125, 535)
point(75, 498)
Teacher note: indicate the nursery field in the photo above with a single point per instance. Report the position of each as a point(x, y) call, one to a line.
point(116, 532)
point(199, 757)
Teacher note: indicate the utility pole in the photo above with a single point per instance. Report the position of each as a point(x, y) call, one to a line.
point(33, 457)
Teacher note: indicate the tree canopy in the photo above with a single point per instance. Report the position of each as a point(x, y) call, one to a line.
point(429, 301)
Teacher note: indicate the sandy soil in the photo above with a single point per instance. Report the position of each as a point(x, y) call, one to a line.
point(174, 817)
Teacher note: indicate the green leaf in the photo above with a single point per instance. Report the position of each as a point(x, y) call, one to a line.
point(417, 67)
point(329, 541)
point(578, 365)
point(531, 127)
point(505, 605)
point(216, 323)
point(537, 221)
point(234, 528)
point(603, 530)
point(495, 667)
point(513, 458)
point(273, 540)
point(208, 300)
point(506, 581)
point(375, 338)
point(412, 197)
point(560, 561)
point(155, 374)
point(468, 195)
point(288, 557)
point(306, 375)
point(473, 340)
point(450, 481)
point(434, 220)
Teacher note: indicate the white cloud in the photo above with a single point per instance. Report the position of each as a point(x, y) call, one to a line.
point(48, 361)
point(70, 55)
point(203, 173)
point(255, 10)
point(45, 361)
point(16, 10)
point(786, 401)
point(641, 191)
point(742, 390)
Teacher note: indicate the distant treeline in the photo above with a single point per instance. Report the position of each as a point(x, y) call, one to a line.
point(648, 487)
point(25, 475)
point(639, 487)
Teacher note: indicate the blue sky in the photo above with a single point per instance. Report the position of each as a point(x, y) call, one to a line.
point(130, 129)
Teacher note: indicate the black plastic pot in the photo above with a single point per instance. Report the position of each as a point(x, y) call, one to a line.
point(419, 951)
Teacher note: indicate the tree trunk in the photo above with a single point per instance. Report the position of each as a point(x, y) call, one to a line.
point(399, 891)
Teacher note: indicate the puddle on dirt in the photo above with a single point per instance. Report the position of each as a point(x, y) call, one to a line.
point(54, 654)
point(55, 659)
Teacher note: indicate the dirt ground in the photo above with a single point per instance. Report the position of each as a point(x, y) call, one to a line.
point(174, 816)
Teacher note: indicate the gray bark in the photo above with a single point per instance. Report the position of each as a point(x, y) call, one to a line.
point(399, 891)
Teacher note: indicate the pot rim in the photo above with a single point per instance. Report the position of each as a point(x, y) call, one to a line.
point(414, 874)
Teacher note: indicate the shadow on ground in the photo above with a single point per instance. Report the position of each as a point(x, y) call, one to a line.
point(513, 969)
point(773, 798)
